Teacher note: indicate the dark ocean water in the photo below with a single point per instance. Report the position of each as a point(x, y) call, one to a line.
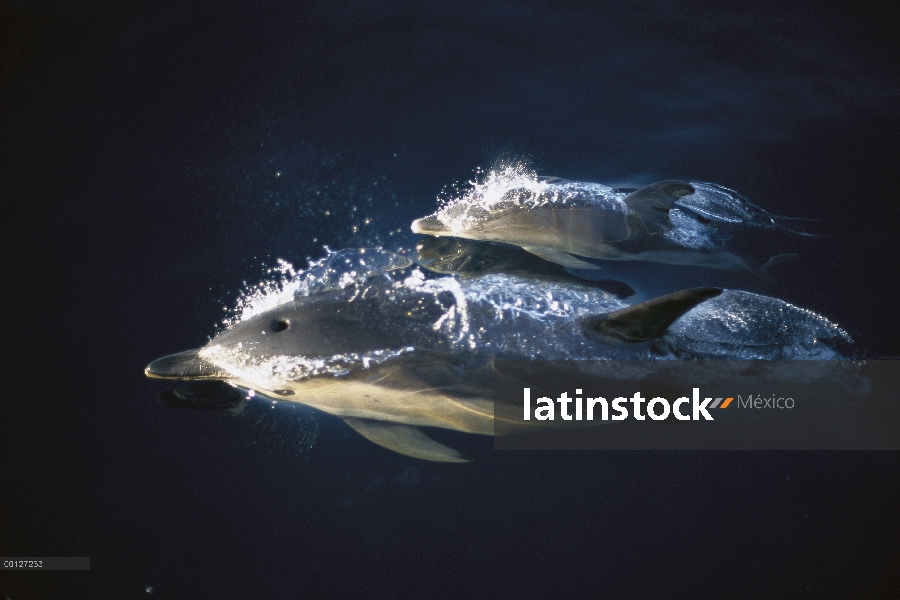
point(156, 159)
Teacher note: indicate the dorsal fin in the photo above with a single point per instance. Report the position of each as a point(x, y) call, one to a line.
point(649, 320)
point(651, 204)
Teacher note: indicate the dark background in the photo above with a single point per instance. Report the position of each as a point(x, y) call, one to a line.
point(156, 157)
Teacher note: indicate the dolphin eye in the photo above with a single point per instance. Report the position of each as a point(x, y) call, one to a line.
point(280, 325)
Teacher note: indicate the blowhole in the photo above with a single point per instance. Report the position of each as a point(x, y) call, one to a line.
point(280, 325)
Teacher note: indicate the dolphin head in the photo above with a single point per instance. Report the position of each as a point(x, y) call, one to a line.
point(333, 333)
point(331, 323)
point(275, 333)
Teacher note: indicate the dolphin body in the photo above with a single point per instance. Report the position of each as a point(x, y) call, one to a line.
point(671, 228)
point(395, 350)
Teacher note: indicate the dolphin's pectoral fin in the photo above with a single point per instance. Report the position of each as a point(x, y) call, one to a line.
point(184, 365)
point(559, 257)
point(404, 439)
point(649, 320)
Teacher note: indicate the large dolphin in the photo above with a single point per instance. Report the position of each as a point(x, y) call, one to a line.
point(590, 227)
point(395, 350)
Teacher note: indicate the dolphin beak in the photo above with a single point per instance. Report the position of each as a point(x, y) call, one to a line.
point(184, 365)
point(429, 225)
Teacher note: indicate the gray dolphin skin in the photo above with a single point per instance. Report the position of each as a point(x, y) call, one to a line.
point(396, 349)
point(590, 227)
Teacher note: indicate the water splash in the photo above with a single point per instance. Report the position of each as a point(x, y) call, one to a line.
point(515, 185)
point(513, 181)
point(271, 371)
point(336, 271)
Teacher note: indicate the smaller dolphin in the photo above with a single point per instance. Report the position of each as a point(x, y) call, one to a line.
point(466, 258)
point(590, 227)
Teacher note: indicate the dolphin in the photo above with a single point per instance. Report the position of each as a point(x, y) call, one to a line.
point(634, 281)
point(398, 350)
point(466, 257)
point(589, 227)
